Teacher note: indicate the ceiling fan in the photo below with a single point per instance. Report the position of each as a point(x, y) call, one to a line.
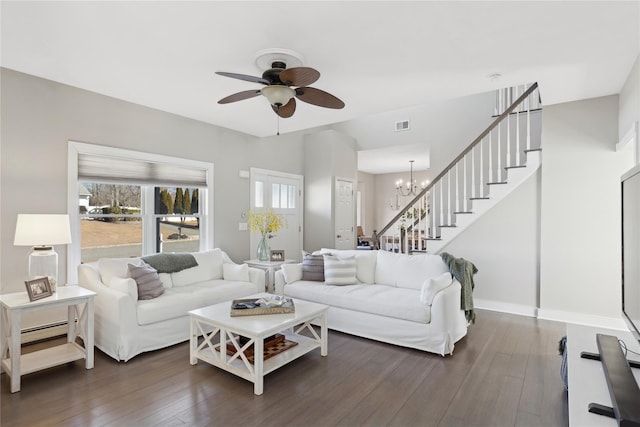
point(282, 86)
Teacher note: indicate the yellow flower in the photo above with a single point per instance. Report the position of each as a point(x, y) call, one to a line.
point(265, 222)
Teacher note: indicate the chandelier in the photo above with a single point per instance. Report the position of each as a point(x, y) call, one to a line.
point(410, 188)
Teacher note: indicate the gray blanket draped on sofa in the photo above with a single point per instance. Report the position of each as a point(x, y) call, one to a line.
point(463, 271)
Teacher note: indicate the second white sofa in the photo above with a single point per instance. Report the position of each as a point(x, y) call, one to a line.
point(126, 326)
point(407, 300)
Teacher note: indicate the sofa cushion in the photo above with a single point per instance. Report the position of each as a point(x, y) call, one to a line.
point(178, 301)
point(292, 272)
point(313, 267)
point(432, 286)
point(407, 271)
point(238, 272)
point(126, 285)
point(374, 299)
point(147, 279)
point(209, 268)
point(339, 271)
point(165, 278)
point(365, 262)
point(115, 267)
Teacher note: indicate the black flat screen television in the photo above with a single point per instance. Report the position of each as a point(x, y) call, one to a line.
point(630, 183)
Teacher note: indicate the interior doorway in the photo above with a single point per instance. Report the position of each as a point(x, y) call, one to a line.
point(344, 214)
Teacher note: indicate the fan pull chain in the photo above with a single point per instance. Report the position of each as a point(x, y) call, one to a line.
point(278, 121)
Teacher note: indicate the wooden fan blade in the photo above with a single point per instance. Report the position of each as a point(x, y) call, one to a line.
point(299, 76)
point(244, 77)
point(239, 96)
point(286, 110)
point(318, 97)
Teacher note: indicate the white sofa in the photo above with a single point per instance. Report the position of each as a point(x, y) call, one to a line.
point(407, 300)
point(126, 326)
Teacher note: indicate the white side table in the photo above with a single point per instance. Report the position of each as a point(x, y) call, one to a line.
point(270, 267)
point(13, 305)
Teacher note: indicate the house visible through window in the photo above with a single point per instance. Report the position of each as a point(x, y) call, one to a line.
point(134, 204)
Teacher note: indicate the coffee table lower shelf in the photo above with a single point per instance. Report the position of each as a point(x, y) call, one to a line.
point(237, 366)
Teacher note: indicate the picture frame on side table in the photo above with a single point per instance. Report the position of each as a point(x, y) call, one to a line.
point(277, 255)
point(38, 288)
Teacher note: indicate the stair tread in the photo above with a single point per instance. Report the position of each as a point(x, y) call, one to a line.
point(447, 225)
point(532, 149)
point(433, 238)
point(462, 212)
point(478, 198)
point(497, 183)
point(515, 167)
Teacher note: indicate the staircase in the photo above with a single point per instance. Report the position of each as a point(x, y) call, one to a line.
point(502, 157)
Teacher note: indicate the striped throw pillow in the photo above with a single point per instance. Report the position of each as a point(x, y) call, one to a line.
point(313, 268)
point(340, 271)
point(147, 279)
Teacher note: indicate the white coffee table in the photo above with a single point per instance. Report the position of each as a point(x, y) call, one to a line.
point(213, 325)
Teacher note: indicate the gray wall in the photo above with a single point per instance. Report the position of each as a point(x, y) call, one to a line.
point(504, 244)
point(328, 154)
point(629, 105)
point(580, 209)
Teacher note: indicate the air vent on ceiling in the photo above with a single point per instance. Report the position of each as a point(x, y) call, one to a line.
point(402, 125)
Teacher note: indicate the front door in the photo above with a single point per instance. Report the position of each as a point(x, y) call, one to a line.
point(281, 192)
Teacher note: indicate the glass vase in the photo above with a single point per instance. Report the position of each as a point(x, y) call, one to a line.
point(262, 252)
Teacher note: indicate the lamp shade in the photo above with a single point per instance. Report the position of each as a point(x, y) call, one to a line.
point(42, 230)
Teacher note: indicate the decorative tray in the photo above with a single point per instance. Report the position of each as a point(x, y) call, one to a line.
point(256, 306)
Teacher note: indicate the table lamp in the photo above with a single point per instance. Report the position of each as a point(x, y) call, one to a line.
point(42, 231)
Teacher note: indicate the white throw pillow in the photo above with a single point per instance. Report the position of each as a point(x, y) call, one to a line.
point(339, 271)
point(365, 262)
point(292, 272)
point(126, 285)
point(236, 272)
point(432, 286)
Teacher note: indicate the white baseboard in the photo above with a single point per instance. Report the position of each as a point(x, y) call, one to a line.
point(505, 307)
point(43, 332)
point(582, 319)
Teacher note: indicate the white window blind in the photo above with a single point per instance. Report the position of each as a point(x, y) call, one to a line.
point(98, 168)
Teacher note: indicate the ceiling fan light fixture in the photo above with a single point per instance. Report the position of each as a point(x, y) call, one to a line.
point(278, 95)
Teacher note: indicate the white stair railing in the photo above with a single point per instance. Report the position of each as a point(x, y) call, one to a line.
point(481, 165)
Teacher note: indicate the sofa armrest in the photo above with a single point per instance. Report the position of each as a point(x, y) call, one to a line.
point(258, 276)
point(114, 311)
point(279, 282)
point(446, 314)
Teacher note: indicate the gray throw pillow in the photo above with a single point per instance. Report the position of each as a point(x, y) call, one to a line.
point(313, 268)
point(147, 279)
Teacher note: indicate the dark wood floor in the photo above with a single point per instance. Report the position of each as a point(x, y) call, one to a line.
point(504, 373)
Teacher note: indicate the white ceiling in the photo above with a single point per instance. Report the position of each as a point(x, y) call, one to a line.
point(376, 56)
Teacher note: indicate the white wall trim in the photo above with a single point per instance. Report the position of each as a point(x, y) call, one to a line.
point(582, 319)
point(505, 307)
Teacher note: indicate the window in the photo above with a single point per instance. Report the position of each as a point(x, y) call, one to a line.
point(133, 204)
point(283, 196)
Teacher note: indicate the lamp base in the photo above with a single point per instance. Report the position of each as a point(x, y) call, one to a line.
point(43, 262)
